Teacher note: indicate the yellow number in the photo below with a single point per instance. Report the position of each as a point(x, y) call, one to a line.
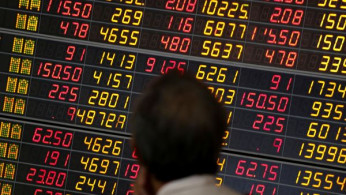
point(307, 178)
point(342, 156)
point(221, 76)
point(329, 181)
point(332, 151)
point(80, 183)
point(117, 163)
point(341, 183)
point(96, 146)
point(200, 73)
point(230, 97)
point(317, 108)
point(317, 179)
point(321, 149)
point(232, 11)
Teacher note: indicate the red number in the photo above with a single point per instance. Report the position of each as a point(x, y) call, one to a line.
point(180, 5)
point(50, 178)
point(37, 135)
point(258, 121)
point(251, 169)
point(174, 43)
point(299, 2)
point(270, 55)
point(70, 52)
point(240, 169)
point(279, 123)
point(285, 16)
point(277, 144)
point(57, 138)
point(283, 101)
point(134, 169)
point(86, 10)
point(66, 6)
point(258, 190)
point(76, 8)
point(64, 26)
point(80, 31)
point(32, 173)
point(50, 134)
point(273, 172)
point(52, 156)
point(276, 81)
point(71, 112)
point(150, 63)
point(64, 90)
point(67, 138)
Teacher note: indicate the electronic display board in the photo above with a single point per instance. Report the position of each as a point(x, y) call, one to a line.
point(71, 71)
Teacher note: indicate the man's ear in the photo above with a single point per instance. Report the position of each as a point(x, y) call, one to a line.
point(144, 182)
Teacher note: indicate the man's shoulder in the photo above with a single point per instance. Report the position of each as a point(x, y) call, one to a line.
point(195, 185)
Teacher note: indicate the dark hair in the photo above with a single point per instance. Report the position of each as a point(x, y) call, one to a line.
point(177, 128)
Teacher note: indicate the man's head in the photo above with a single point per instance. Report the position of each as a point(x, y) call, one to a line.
point(177, 128)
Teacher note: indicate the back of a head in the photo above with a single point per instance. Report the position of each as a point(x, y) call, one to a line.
point(178, 127)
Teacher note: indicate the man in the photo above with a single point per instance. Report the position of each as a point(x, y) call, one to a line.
point(177, 132)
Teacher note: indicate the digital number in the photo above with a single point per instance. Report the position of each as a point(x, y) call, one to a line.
point(333, 64)
point(126, 61)
point(181, 5)
point(60, 92)
point(269, 123)
point(166, 66)
point(283, 37)
point(214, 73)
point(127, 16)
point(175, 43)
point(333, 21)
point(320, 180)
point(123, 37)
point(323, 152)
point(90, 184)
point(106, 99)
point(218, 29)
point(322, 131)
point(50, 178)
point(281, 57)
point(286, 16)
point(226, 8)
point(79, 30)
point(135, 2)
point(59, 72)
point(99, 145)
point(331, 42)
point(74, 9)
point(264, 101)
point(51, 137)
point(101, 166)
point(114, 80)
point(249, 169)
point(52, 158)
point(326, 110)
point(220, 49)
point(276, 80)
point(185, 24)
point(71, 50)
point(104, 119)
point(332, 4)
point(260, 189)
point(223, 95)
point(132, 171)
point(298, 2)
point(328, 89)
